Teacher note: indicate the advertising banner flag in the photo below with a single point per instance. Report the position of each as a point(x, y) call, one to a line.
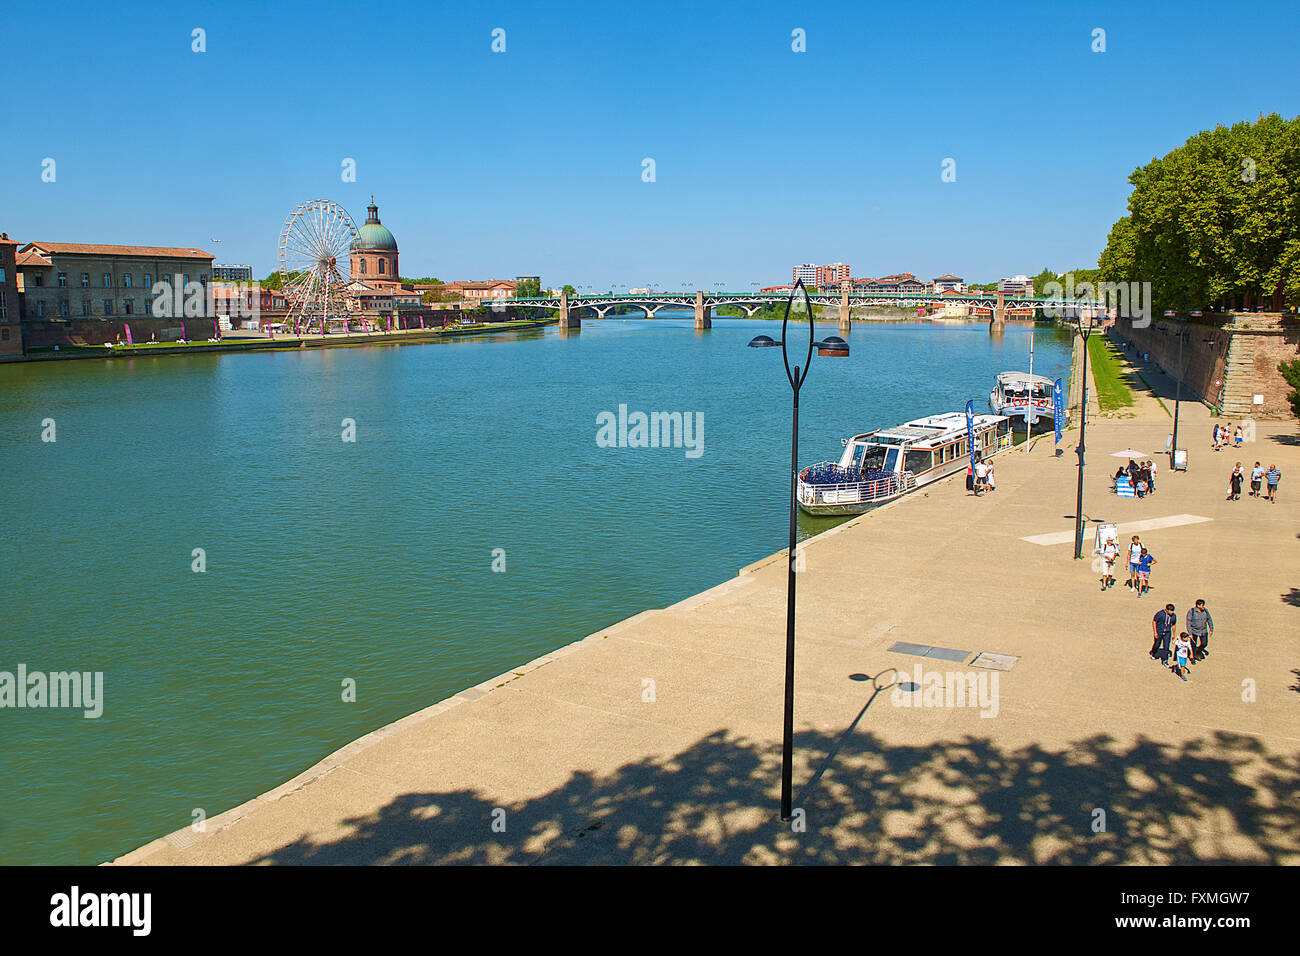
point(970, 431)
point(1058, 407)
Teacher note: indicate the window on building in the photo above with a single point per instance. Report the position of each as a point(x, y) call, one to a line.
point(363, 266)
point(126, 281)
point(63, 307)
point(108, 281)
point(85, 280)
point(4, 335)
point(108, 306)
point(2, 274)
point(85, 307)
point(381, 266)
point(38, 278)
point(63, 280)
point(148, 281)
point(40, 310)
point(128, 306)
point(4, 306)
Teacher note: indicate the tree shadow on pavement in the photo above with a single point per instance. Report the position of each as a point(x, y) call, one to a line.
point(1221, 799)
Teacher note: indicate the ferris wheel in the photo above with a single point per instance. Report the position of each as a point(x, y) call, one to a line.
point(315, 265)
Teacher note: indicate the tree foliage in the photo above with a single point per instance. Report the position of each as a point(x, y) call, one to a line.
point(1291, 372)
point(1216, 218)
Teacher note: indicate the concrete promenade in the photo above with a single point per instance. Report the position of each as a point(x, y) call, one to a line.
point(657, 740)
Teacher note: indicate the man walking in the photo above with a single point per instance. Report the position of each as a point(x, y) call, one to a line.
point(1200, 626)
point(1256, 476)
point(1272, 477)
point(1162, 629)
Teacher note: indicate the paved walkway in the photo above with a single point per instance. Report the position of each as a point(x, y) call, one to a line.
point(658, 740)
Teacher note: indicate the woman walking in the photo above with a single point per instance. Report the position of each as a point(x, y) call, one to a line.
point(1234, 483)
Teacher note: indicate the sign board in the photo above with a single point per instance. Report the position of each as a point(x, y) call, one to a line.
point(1058, 408)
point(1180, 460)
point(1169, 442)
point(1259, 399)
point(1106, 532)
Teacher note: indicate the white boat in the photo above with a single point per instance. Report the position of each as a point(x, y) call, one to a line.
point(888, 463)
point(1013, 392)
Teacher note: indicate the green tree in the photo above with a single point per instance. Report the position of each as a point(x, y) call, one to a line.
point(568, 289)
point(529, 289)
point(1217, 218)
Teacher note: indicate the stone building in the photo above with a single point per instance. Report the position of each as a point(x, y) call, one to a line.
point(11, 334)
point(376, 286)
point(67, 280)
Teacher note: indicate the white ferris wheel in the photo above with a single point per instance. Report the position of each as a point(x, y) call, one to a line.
point(316, 265)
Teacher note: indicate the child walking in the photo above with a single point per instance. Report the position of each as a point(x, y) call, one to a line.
point(1182, 654)
point(1144, 570)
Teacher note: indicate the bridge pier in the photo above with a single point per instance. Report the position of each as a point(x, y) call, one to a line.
point(998, 320)
point(703, 313)
point(567, 320)
point(846, 319)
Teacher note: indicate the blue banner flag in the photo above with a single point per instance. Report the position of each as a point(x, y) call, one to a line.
point(1058, 408)
point(970, 431)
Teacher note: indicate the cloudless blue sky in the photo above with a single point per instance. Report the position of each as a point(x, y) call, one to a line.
point(530, 161)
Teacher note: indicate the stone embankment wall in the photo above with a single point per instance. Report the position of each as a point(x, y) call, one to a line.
point(1230, 361)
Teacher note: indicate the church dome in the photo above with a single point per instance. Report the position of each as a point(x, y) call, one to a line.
point(374, 235)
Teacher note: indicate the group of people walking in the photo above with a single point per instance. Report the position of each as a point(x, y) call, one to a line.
point(1259, 478)
point(1140, 561)
point(1224, 435)
point(1191, 646)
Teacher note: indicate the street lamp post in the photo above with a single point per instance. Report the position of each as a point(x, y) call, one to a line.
point(832, 345)
point(1084, 332)
point(1178, 388)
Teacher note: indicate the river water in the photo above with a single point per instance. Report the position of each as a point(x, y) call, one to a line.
point(372, 560)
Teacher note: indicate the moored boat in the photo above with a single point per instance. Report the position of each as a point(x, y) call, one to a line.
point(1014, 392)
point(888, 463)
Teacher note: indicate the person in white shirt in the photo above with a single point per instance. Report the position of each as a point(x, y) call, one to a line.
point(1109, 552)
point(1134, 559)
point(981, 473)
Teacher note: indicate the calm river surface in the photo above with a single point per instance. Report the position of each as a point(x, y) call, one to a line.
point(372, 560)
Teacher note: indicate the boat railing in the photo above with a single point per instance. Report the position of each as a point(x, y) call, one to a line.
point(852, 492)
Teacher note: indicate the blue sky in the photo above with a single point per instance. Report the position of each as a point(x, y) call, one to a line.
point(530, 161)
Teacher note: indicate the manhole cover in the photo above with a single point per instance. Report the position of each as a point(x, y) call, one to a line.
point(995, 662)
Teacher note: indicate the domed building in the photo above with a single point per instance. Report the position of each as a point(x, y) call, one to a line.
point(374, 252)
point(376, 284)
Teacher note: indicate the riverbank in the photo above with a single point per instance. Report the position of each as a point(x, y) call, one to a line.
point(261, 342)
point(657, 740)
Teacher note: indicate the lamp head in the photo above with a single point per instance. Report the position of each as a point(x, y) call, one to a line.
point(763, 342)
point(832, 345)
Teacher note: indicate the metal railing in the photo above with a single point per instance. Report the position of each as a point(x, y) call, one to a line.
point(853, 492)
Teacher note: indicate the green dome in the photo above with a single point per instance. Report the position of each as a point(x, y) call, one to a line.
point(374, 235)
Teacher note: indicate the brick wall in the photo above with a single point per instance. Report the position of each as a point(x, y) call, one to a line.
point(1228, 359)
point(46, 333)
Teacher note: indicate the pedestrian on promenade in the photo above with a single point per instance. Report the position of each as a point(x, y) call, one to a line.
point(1201, 626)
point(1135, 550)
point(990, 481)
point(1182, 654)
point(1236, 437)
point(1234, 483)
point(1144, 571)
point(970, 477)
point(1151, 478)
point(981, 473)
point(1214, 437)
point(1272, 477)
point(1162, 629)
point(1256, 476)
point(1109, 552)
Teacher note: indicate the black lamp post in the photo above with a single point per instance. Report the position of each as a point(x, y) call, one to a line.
point(1084, 332)
point(832, 345)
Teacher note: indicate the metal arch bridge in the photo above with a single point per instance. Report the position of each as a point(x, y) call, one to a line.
point(751, 302)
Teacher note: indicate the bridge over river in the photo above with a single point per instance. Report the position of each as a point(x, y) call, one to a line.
point(997, 304)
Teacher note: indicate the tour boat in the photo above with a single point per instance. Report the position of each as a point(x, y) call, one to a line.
point(1011, 396)
point(888, 463)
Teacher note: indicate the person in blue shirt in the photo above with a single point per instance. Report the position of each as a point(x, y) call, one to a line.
point(1256, 476)
point(1144, 571)
point(1162, 629)
point(1272, 477)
